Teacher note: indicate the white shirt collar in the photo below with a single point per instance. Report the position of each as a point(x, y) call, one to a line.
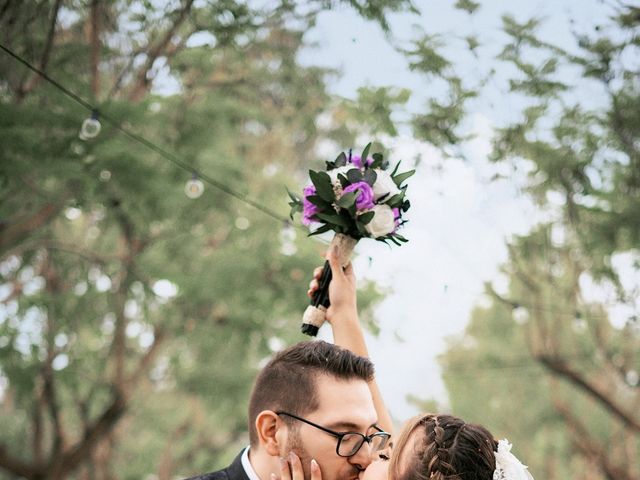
point(248, 468)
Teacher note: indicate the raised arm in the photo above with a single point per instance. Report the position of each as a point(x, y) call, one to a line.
point(345, 323)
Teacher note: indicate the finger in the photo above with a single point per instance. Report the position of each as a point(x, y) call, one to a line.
point(314, 285)
point(285, 472)
point(316, 474)
point(317, 272)
point(296, 467)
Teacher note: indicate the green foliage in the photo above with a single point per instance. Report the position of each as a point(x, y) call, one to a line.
point(468, 6)
point(441, 123)
point(119, 287)
point(425, 57)
point(374, 108)
point(378, 9)
point(539, 375)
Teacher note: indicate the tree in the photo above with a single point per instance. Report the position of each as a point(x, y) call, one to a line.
point(124, 302)
point(560, 375)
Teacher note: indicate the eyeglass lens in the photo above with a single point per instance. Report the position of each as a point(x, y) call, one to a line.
point(352, 442)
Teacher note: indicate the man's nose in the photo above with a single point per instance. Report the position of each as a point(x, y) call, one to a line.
point(362, 457)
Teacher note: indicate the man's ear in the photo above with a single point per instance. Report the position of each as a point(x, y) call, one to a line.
point(272, 432)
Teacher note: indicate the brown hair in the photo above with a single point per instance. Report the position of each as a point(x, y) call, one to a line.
point(287, 382)
point(444, 448)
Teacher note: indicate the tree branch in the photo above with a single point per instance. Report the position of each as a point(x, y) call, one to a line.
point(53, 285)
point(147, 358)
point(13, 233)
point(95, 47)
point(73, 456)
point(117, 84)
point(166, 464)
point(142, 81)
point(35, 79)
point(588, 446)
point(559, 366)
point(55, 245)
point(14, 465)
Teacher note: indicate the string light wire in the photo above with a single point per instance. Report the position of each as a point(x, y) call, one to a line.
point(147, 143)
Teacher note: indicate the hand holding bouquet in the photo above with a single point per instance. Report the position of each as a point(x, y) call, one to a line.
point(356, 197)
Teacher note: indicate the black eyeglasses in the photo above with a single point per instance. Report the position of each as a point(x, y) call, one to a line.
point(349, 443)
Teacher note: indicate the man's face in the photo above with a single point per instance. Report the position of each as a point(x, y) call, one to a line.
point(344, 406)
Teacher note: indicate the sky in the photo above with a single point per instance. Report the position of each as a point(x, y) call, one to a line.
point(459, 220)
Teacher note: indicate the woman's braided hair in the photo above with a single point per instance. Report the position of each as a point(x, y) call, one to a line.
point(444, 447)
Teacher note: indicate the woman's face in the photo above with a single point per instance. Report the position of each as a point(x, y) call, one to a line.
point(378, 469)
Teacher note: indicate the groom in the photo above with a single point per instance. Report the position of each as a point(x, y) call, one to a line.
point(312, 399)
point(316, 400)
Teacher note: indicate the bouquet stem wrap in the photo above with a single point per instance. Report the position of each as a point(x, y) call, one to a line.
point(316, 313)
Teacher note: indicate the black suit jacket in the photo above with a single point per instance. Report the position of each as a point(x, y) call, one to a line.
point(235, 471)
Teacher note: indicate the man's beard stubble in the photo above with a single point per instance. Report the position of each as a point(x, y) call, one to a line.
point(294, 444)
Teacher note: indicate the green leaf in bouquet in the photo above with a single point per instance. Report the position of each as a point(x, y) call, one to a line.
point(401, 177)
point(406, 205)
point(344, 181)
point(370, 177)
point(323, 185)
point(347, 200)
point(396, 200)
point(377, 160)
point(294, 198)
point(354, 175)
point(322, 229)
point(395, 169)
point(341, 161)
point(330, 165)
point(318, 201)
point(295, 208)
point(361, 230)
point(365, 152)
point(400, 238)
point(334, 219)
point(390, 237)
point(366, 217)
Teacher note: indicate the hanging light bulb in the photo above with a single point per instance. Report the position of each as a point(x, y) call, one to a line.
point(194, 187)
point(520, 314)
point(90, 127)
point(579, 323)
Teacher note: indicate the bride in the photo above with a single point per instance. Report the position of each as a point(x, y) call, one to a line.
point(430, 446)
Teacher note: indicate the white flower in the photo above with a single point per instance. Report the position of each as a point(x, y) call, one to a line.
point(383, 221)
point(508, 467)
point(333, 174)
point(384, 185)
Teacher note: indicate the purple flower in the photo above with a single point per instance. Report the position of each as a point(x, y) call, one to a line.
point(396, 216)
point(308, 208)
point(364, 200)
point(357, 161)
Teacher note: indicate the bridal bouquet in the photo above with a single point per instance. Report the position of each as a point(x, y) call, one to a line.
point(357, 198)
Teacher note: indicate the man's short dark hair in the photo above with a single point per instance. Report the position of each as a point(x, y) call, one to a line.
point(287, 382)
